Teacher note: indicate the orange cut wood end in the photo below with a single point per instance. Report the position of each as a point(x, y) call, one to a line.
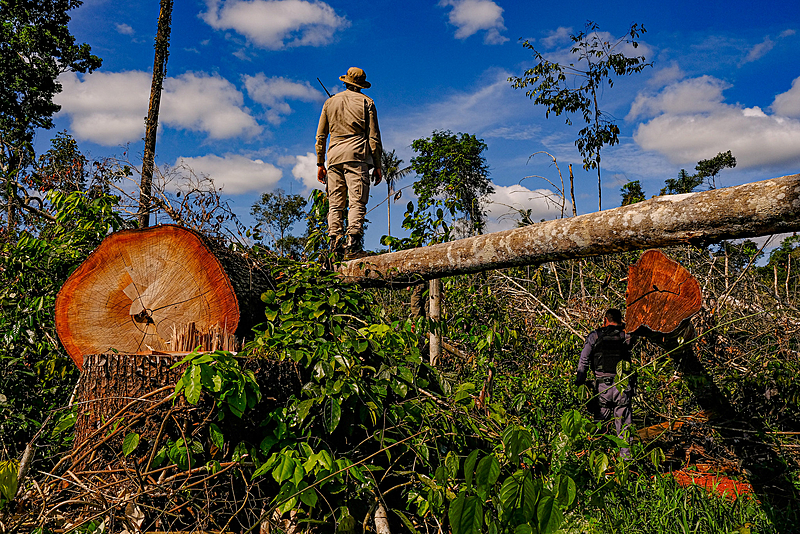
point(136, 286)
point(661, 294)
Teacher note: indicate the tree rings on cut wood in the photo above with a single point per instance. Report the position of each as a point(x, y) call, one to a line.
point(661, 294)
point(139, 284)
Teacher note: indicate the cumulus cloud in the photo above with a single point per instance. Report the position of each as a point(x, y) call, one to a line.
point(690, 121)
point(207, 103)
point(276, 24)
point(471, 16)
point(305, 171)
point(788, 104)
point(234, 173)
point(503, 206)
point(274, 92)
point(109, 108)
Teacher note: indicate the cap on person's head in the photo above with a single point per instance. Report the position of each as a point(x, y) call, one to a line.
point(614, 315)
point(357, 77)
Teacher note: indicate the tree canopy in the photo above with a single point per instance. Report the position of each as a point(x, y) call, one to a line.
point(453, 166)
point(573, 88)
point(277, 212)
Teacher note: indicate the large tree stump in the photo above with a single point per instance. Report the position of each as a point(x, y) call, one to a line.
point(140, 284)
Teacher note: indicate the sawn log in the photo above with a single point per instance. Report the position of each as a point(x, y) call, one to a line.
point(749, 210)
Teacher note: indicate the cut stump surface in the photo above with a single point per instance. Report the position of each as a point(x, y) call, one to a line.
point(139, 284)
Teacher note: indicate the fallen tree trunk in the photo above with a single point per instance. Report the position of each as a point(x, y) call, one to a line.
point(749, 210)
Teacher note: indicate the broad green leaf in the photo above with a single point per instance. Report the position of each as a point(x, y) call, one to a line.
point(8, 480)
point(523, 529)
point(285, 469)
point(309, 497)
point(566, 491)
point(488, 471)
point(130, 443)
point(452, 463)
point(599, 463)
point(510, 492)
point(194, 386)
point(548, 515)
point(407, 522)
point(217, 439)
point(469, 467)
point(466, 514)
point(333, 413)
point(531, 490)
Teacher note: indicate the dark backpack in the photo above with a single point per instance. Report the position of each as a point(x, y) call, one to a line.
point(609, 349)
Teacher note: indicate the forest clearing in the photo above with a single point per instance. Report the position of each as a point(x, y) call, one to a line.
point(166, 367)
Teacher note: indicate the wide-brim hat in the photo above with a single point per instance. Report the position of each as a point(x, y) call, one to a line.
point(357, 77)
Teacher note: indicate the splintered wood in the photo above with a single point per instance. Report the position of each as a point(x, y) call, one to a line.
point(188, 337)
point(661, 294)
point(137, 286)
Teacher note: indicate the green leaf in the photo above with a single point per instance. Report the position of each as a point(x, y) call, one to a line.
point(466, 514)
point(523, 529)
point(549, 515)
point(8, 480)
point(130, 443)
point(217, 439)
point(333, 413)
point(406, 521)
point(469, 467)
point(285, 469)
point(194, 386)
point(309, 497)
point(452, 463)
point(530, 495)
point(488, 471)
point(566, 491)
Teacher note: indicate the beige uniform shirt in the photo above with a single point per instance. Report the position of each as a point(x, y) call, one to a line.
point(352, 122)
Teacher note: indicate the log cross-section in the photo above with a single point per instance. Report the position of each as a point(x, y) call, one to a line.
point(749, 210)
point(139, 284)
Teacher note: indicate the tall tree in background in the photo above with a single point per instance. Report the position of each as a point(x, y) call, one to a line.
point(151, 123)
point(453, 166)
point(35, 48)
point(573, 88)
point(392, 172)
point(277, 212)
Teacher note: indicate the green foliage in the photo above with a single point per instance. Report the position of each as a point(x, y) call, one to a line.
point(8, 481)
point(452, 166)
point(277, 212)
point(707, 170)
point(574, 88)
point(632, 193)
point(220, 374)
point(35, 373)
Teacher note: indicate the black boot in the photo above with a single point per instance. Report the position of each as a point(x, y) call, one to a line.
point(354, 248)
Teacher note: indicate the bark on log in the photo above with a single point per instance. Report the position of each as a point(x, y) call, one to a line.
point(749, 210)
point(138, 284)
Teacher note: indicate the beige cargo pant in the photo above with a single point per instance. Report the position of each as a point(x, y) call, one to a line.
point(347, 181)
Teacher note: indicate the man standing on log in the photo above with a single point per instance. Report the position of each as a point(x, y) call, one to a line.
point(355, 147)
point(607, 352)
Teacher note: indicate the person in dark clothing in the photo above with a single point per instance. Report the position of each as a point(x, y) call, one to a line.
point(607, 352)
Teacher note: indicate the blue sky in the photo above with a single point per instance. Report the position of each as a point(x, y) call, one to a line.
point(241, 101)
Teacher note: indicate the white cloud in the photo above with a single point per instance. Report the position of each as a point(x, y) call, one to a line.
point(206, 103)
point(235, 174)
point(696, 95)
point(472, 16)
point(557, 37)
point(109, 108)
point(666, 75)
point(691, 122)
point(276, 24)
point(125, 29)
point(786, 33)
point(502, 206)
point(758, 51)
point(273, 93)
point(788, 104)
point(305, 171)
